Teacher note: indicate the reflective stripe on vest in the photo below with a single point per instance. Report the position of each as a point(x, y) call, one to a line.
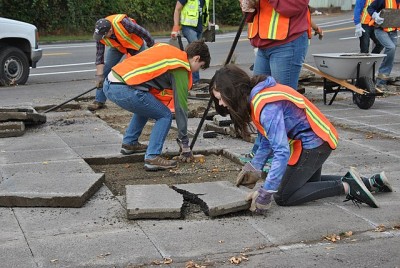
point(125, 39)
point(152, 63)
point(365, 17)
point(318, 122)
point(391, 4)
point(190, 13)
point(268, 23)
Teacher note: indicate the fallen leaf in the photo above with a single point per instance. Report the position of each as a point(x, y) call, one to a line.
point(167, 261)
point(235, 260)
point(221, 241)
point(332, 237)
point(348, 234)
point(396, 227)
point(192, 264)
point(380, 228)
point(127, 166)
point(156, 262)
point(54, 260)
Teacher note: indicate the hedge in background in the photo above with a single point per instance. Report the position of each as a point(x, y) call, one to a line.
point(79, 16)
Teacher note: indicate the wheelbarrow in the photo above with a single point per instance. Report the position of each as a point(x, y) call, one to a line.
point(353, 72)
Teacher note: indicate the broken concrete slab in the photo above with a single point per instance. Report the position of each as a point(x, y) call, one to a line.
point(391, 18)
point(11, 129)
point(24, 189)
point(27, 115)
point(222, 121)
point(215, 198)
point(153, 202)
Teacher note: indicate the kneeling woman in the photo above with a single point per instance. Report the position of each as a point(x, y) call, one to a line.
point(297, 136)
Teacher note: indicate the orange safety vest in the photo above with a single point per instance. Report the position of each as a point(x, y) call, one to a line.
point(125, 40)
point(365, 17)
point(318, 122)
point(268, 23)
point(389, 4)
point(152, 63)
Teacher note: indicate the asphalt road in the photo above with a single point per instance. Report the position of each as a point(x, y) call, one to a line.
point(75, 61)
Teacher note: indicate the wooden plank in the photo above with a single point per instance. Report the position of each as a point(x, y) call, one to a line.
point(336, 80)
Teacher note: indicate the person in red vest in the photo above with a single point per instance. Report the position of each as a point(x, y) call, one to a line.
point(297, 136)
point(124, 37)
point(151, 84)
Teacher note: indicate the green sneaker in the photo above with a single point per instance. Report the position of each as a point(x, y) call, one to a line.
point(358, 192)
point(381, 182)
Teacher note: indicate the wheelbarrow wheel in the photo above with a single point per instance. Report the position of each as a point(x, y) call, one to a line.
point(365, 101)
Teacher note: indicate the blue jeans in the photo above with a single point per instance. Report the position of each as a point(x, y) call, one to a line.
point(112, 58)
point(192, 35)
point(366, 36)
point(388, 40)
point(143, 105)
point(283, 62)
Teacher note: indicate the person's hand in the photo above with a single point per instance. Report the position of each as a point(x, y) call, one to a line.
point(99, 80)
point(175, 31)
point(319, 32)
point(249, 176)
point(378, 20)
point(359, 30)
point(260, 200)
point(186, 154)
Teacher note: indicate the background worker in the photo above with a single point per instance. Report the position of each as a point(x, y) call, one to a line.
point(297, 136)
point(386, 36)
point(191, 15)
point(124, 37)
point(363, 30)
point(282, 41)
point(146, 84)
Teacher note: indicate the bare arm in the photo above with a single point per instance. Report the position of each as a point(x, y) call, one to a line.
point(177, 13)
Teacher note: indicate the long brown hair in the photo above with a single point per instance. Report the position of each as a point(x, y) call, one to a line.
point(235, 86)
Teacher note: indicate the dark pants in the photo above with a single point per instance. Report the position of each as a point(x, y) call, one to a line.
point(364, 40)
point(303, 182)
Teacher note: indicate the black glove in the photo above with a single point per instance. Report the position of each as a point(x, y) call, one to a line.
point(186, 154)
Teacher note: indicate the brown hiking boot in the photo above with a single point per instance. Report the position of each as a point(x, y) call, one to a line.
point(132, 149)
point(96, 106)
point(159, 163)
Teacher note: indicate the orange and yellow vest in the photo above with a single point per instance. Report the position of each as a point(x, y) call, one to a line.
point(152, 63)
point(389, 4)
point(125, 39)
point(365, 17)
point(268, 23)
point(318, 122)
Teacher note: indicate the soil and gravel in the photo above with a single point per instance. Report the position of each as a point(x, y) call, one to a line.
point(214, 168)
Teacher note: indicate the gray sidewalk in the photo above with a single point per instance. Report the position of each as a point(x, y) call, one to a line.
point(100, 235)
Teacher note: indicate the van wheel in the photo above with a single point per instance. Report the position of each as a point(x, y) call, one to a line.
point(14, 67)
point(365, 101)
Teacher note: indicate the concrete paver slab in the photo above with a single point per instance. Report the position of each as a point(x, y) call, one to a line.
point(215, 198)
point(38, 156)
point(101, 212)
point(16, 254)
point(52, 167)
point(106, 248)
point(48, 190)
point(153, 202)
point(33, 140)
point(11, 129)
point(292, 224)
point(184, 239)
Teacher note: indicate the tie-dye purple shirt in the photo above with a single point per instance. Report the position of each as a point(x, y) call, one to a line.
point(281, 120)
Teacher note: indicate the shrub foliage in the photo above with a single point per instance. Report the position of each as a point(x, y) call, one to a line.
point(79, 16)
